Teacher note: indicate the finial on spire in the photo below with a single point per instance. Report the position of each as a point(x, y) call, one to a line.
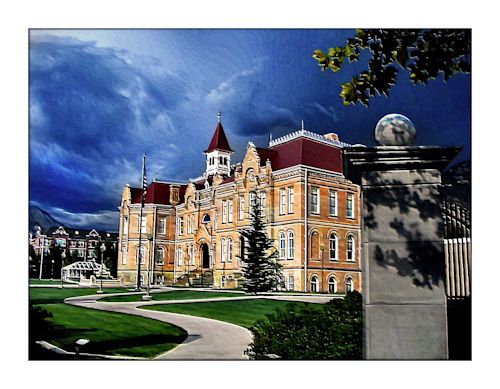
point(219, 116)
point(270, 137)
point(302, 124)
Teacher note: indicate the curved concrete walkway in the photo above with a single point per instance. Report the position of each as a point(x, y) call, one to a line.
point(207, 338)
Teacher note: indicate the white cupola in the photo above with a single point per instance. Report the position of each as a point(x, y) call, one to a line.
point(218, 152)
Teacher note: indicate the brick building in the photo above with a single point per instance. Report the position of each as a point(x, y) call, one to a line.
point(191, 231)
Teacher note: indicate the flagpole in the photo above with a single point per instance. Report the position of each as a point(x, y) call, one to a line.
point(140, 222)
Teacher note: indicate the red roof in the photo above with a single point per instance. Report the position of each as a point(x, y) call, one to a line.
point(157, 193)
point(219, 140)
point(303, 151)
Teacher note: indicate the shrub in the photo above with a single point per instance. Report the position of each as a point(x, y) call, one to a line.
point(329, 331)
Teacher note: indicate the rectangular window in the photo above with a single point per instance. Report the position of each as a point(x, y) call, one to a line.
point(230, 211)
point(124, 253)
point(81, 243)
point(81, 253)
point(180, 225)
point(179, 256)
point(315, 200)
point(251, 201)
point(222, 281)
point(242, 207)
point(263, 201)
point(333, 203)
point(290, 200)
point(125, 226)
point(290, 283)
point(193, 262)
point(282, 201)
point(142, 225)
point(350, 205)
point(224, 212)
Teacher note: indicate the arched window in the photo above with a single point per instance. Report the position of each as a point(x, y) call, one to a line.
point(223, 250)
point(350, 248)
point(159, 255)
point(290, 244)
point(314, 252)
point(349, 285)
point(205, 219)
point(332, 285)
point(314, 284)
point(333, 247)
point(229, 250)
point(282, 244)
point(141, 254)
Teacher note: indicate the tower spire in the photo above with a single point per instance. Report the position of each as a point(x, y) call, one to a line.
point(302, 121)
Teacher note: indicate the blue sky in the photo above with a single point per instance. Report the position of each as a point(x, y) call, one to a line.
point(100, 98)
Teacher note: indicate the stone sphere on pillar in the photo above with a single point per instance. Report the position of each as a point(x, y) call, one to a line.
point(395, 130)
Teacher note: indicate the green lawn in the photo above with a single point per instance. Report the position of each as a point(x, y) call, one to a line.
point(242, 312)
point(174, 295)
point(109, 333)
point(57, 296)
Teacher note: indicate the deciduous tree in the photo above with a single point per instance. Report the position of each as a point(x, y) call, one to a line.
point(424, 53)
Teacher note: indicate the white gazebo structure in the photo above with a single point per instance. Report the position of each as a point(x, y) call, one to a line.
point(76, 270)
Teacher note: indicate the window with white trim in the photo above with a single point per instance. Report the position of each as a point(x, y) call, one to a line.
point(349, 285)
point(188, 226)
point(161, 226)
point(290, 244)
point(224, 211)
point(251, 201)
point(179, 256)
point(315, 200)
point(125, 226)
point(314, 284)
point(223, 251)
point(242, 208)
point(282, 201)
point(230, 211)
point(350, 205)
point(333, 247)
point(159, 255)
point(332, 199)
point(290, 200)
point(124, 253)
point(142, 224)
point(141, 254)
point(282, 245)
point(229, 249)
point(350, 248)
point(193, 262)
point(263, 201)
point(180, 225)
point(332, 285)
point(290, 283)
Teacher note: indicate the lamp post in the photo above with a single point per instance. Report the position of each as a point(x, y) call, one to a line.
point(103, 249)
point(63, 255)
point(41, 257)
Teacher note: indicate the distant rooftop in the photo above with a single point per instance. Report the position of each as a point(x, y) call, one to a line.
point(307, 134)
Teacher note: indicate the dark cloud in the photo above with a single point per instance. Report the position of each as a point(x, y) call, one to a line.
point(92, 113)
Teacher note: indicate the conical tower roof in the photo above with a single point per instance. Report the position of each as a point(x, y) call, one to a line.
point(219, 140)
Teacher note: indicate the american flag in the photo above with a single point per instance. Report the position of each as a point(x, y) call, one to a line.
point(144, 179)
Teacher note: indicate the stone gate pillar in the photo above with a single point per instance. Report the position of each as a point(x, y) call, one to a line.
point(404, 300)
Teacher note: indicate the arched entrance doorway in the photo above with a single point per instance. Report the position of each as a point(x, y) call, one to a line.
point(205, 256)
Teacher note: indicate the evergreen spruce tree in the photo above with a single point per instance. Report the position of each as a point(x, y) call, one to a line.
point(261, 271)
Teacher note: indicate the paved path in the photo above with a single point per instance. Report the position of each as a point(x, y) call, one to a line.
point(207, 338)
